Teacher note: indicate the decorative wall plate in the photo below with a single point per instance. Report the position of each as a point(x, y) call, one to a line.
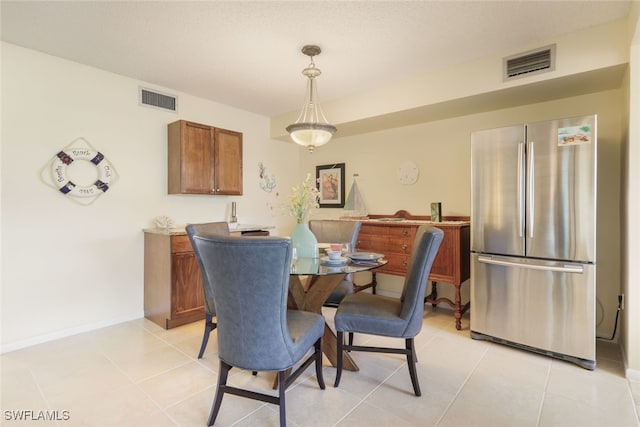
point(407, 173)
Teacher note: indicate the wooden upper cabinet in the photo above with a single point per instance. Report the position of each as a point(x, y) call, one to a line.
point(228, 162)
point(204, 159)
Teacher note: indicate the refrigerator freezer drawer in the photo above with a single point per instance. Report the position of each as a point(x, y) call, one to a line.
point(547, 305)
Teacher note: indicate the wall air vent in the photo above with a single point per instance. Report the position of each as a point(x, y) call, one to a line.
point(151, 98)
point(529, 63)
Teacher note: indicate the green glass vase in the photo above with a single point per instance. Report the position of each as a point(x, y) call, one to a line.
point(304, 241)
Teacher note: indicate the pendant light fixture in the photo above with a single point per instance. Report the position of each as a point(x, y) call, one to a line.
point(311, 129)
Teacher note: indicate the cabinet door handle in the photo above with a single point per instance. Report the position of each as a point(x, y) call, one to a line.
point(404, 263)
point(405, 232)
point(404, 246)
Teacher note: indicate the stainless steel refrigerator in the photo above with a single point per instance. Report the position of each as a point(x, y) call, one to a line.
point(533, 237)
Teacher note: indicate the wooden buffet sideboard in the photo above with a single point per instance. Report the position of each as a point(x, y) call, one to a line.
point(393, 236)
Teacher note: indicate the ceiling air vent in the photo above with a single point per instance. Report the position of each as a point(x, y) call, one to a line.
point(528, 63)
point(156, 99)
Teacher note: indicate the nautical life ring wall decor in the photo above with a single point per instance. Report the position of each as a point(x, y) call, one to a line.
point(56, 172)
point(66, 186)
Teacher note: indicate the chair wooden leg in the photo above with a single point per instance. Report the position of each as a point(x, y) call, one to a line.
point(222, 382)
point(372, 284)
point(282, 387)
point(339, 356)
point(284, 380)
point(350, 334)
point(208, 327)
point(319, 374)
point(411, 361)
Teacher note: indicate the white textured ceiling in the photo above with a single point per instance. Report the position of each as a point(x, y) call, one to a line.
point(247, 54)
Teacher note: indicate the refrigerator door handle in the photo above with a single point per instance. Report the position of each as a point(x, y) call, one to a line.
point(520, 188)
point(531, 188)
point(567, 268)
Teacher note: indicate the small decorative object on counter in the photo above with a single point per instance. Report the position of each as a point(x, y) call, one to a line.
point(436, 212)
point(234, 217)
point(164, 221)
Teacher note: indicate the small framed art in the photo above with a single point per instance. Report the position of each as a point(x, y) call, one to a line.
point(330, 182)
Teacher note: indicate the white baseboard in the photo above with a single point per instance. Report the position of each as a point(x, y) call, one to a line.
point(17, 345)
point(633, 375)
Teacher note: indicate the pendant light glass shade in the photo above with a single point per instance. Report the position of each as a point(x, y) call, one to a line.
point(312, 128)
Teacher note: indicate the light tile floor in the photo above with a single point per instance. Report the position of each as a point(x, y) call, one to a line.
point(137, 374)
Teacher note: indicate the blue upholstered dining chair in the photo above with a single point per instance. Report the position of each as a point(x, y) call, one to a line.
point(337, 231)
point(391, 317)
point(249, 280)
point(207, 229)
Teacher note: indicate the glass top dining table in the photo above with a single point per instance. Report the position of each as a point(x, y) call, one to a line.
point(310, 294)
point(320, 267)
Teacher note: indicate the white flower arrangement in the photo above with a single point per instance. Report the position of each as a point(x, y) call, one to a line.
point(303, 199)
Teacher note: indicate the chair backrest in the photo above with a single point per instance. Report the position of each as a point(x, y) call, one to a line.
point(249, 278)
point(425, 248)
point(207, 229)
point(335, 231)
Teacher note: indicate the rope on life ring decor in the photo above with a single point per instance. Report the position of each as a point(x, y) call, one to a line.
point(79, 150)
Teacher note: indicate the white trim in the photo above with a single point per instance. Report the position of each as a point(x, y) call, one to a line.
point(17, 345)
point(633, 375)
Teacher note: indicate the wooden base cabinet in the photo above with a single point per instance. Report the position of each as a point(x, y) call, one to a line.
point(172, 281)
point(394, 239)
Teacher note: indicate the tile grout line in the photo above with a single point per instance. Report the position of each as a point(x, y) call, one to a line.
point(381, 383)
point(137, 384)
point(357, 405)
point(139, 388)
point(544, 393)
point(636, 404)
point(41, 392)
point(466, 380)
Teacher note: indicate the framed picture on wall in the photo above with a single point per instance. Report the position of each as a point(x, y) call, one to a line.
point(330, 182)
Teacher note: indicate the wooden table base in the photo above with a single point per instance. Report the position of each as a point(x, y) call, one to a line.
point(311, 299)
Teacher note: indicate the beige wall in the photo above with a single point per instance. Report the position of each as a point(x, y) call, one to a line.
point(631, 287)
point(475, 87)
point(89, 259)
point(68, 268)
point(442, 151)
